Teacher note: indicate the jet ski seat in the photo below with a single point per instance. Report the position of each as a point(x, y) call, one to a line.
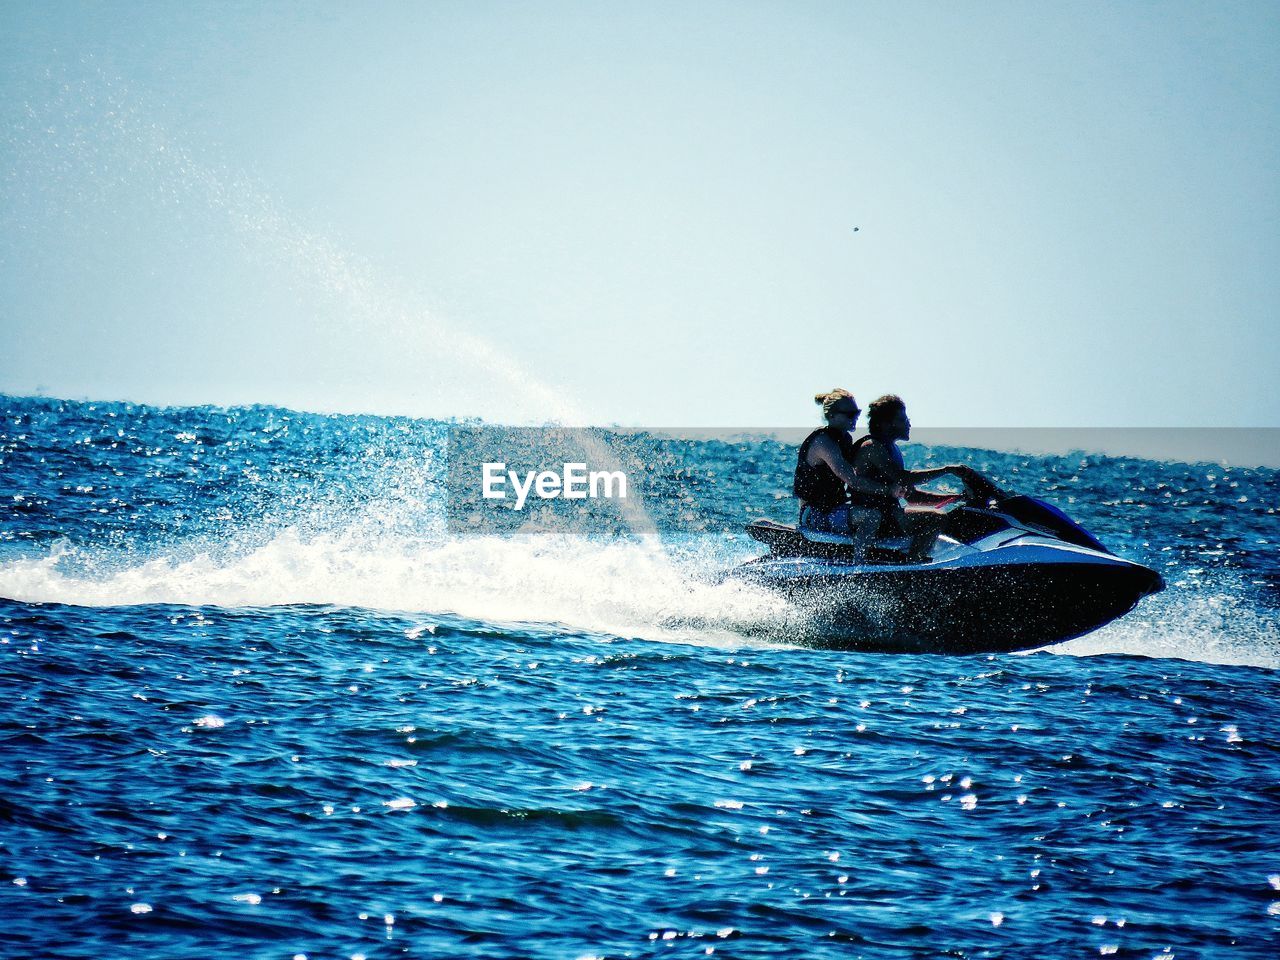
point(896, 544)
point(786, 540)
point(882, 550)
point(814, 536)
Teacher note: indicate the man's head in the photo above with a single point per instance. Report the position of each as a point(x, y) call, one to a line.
point(888, 418)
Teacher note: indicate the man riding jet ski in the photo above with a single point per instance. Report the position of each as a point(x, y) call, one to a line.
point(985, 572)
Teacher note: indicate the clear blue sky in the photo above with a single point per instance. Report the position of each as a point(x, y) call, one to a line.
point(645, 212)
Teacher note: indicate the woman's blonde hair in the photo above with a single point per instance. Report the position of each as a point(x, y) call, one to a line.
point(831, 398)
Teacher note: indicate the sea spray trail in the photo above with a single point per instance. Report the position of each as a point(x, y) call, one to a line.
point(95, 143)
point(622, 588)
point(100, 141)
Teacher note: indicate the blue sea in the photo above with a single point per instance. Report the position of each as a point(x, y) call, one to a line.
point(262, 700)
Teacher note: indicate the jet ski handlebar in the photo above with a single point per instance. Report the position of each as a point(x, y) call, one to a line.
point(979, 491)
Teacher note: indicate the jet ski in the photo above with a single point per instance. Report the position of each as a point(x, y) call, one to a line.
point(1007, 573)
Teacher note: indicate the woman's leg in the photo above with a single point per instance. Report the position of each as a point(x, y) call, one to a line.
point(862, 524)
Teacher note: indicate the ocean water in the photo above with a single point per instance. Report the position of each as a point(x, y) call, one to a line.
point(261, 700)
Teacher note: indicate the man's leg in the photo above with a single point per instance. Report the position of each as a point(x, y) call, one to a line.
point(923, 529)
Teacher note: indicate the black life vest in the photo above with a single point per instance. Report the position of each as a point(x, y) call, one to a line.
point(817, 486)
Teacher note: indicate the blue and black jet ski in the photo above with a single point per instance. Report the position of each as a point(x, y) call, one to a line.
point(1012, 573)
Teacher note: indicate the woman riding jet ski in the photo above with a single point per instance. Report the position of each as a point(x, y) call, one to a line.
point(998, 573)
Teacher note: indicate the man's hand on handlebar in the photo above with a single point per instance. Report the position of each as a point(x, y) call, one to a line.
point(978, 488)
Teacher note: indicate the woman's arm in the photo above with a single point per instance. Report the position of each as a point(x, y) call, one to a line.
point(825, 449)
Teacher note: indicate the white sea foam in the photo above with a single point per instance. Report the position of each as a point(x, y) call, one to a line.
point(1217, 622)
point(623, 587)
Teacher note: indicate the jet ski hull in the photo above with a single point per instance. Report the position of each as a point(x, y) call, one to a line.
point(1016, 576)
point(994, 608)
